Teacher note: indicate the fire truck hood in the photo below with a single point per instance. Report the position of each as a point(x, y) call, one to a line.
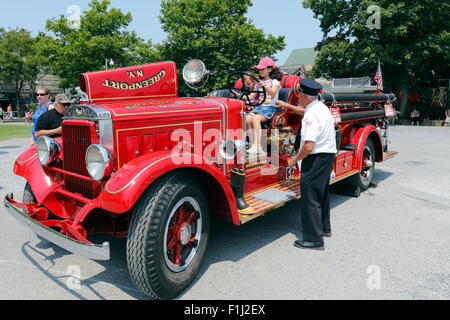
point(155, 80)
point(166, 107)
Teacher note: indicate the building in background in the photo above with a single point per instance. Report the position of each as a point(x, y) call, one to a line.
point(27, 94)
point(299, 61)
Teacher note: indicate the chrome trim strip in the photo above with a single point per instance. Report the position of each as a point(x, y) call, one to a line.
point(91, 251)
point(225, 127)
point(106, 134)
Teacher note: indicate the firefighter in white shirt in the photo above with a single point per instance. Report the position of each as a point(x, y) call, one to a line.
point(317, 153)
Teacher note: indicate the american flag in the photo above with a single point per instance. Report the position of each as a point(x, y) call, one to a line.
point(379, 78)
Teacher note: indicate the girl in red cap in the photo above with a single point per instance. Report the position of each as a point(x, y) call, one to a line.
point(270, 76)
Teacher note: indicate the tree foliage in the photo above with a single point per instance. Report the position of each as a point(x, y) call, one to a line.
point(216, 32)
point(412, 40)
point(101, 34)
point(21, 58)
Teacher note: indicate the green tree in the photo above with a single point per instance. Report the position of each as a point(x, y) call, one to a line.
point(21, 60)
point(216, 32)
point(100, 34)
point(410, 38)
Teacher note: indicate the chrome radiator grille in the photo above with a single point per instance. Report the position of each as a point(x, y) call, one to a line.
point(76, 140)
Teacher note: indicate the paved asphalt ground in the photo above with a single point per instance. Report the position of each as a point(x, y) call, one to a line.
point(393, 242)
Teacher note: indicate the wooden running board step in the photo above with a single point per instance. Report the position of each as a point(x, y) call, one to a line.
point(291, 186)
point(389, 154)
point(260, 206)
point(255, 162)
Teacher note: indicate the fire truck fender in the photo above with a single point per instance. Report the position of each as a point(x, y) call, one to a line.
point(357, 135)
point(126, 185)
point(28, 166)
point(361, 136)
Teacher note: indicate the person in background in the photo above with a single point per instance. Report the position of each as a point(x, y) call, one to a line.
point(28, 115)
point(1, 115)
point(447, 118)
point(415, 117)
point(49, 124)
point(43, 96)
point(9, 113)
point(394, 118)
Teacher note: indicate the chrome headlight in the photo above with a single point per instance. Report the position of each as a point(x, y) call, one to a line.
point(99, 162)
point(47, 150)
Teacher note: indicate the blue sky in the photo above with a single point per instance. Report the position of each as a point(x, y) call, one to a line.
point(283, 17)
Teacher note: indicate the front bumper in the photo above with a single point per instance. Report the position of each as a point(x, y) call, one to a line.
point(91, 251)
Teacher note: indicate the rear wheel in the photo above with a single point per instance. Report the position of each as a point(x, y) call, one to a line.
point(168, 236)
point(365, 176)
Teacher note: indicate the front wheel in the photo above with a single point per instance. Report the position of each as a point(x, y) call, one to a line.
point(168, 236)
point(28, 195)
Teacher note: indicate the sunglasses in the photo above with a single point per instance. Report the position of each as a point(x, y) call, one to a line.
point(41, 94)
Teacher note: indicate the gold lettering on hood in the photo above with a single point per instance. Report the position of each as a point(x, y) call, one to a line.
point(123, 85)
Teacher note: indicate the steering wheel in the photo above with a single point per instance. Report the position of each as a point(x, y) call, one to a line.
point(245, 91)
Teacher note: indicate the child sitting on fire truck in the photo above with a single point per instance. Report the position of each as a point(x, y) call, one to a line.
point(270, 81)
point(253, 98)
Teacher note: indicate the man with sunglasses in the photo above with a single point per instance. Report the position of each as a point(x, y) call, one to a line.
point(317, 152)
point(49, 123)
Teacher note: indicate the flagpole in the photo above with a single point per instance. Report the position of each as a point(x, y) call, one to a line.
point(379, 79)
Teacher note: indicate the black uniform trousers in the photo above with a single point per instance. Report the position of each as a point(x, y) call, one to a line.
point(314, 188)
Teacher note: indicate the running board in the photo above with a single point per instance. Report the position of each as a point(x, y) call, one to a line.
point(343, 176)
point(284, 192)
point(288, 190)
point(388, 155)
point(277, 195)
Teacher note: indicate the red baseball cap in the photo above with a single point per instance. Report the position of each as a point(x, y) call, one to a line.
point(264, 63)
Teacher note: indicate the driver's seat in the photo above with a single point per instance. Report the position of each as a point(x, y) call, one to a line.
point(283, 95)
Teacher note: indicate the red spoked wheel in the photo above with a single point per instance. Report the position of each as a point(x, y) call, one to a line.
point(183, 233)
point(365, 176)
point(168, 235)
point(367, 163)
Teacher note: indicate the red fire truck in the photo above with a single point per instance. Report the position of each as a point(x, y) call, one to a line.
point(136, 160)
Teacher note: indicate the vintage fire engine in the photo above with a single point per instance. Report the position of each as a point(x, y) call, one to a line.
point(135, 160)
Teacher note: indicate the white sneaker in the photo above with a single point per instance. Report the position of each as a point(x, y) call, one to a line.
point(252, 151)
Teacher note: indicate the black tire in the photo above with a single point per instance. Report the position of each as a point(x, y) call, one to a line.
point(28, 195)
point(165, 216)
point(365, 176)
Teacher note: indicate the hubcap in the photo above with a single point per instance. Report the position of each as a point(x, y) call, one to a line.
point(367, 163)
point(182, 234)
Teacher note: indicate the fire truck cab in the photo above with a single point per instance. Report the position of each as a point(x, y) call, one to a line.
point(135, 160)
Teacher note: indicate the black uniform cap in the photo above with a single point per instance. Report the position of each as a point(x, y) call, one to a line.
point(309, 87)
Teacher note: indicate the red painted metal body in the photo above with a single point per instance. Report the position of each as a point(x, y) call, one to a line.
point(154, 132)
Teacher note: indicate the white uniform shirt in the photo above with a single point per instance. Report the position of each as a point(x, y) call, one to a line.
point(318, 126)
